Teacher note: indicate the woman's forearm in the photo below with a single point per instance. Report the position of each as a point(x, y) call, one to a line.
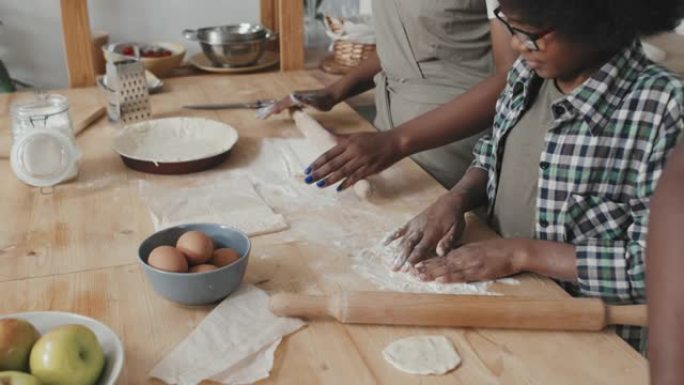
point(358, 80)
point(468, 114)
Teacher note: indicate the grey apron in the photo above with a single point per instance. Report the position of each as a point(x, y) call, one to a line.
point(431, 51)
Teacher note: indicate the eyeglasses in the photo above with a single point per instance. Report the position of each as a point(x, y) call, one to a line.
point(528, 39)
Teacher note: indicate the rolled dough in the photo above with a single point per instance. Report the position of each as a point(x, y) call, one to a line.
point(229, 200)
point(422, 355)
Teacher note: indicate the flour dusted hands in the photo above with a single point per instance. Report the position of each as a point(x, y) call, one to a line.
point(432, 232)
point(355, 157)
point(475, 262)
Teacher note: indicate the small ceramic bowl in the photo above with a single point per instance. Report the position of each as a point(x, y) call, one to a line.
point(197, 288)
point(160, 66)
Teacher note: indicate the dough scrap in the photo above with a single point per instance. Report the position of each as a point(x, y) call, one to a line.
point(230, 201)
point(422, 355)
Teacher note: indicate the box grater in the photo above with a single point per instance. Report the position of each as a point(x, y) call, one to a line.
point(129, 99)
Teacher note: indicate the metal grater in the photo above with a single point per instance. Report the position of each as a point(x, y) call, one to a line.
point(131, 100)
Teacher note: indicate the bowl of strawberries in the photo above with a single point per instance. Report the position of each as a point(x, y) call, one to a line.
point(158, 58)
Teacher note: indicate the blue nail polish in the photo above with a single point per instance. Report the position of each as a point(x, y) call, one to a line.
point(339, 188)
point(308, 170)
point(309, 179)
point(321, 183)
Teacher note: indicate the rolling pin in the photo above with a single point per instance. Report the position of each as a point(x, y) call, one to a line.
point(384, 308)
point(323, 141)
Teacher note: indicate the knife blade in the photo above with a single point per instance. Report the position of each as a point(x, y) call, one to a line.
point(221, 106)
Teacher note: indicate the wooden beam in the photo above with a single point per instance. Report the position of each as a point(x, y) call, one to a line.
point(100, 38)
point(291, 18)
point(269, 14)
point(78, 45)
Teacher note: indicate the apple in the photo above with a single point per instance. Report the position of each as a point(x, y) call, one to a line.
point(16, 339)
point(67, 355)
point(17, 378)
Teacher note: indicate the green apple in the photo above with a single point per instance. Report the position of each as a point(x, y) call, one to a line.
point(67, 355)
point(16, 339)
point(17, 378)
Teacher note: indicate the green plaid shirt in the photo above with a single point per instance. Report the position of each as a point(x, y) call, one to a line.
point(600, 164)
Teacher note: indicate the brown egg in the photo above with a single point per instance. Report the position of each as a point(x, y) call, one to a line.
point(223, 257)
point(168, 258)
point(202, 268)
point(196, 246)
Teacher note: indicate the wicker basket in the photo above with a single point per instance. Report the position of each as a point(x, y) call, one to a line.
point(351, 54)
point(347, 53)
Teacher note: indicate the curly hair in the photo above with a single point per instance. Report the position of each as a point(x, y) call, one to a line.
point(602, 23)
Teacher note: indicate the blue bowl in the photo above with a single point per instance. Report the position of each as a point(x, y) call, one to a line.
point(197, 288)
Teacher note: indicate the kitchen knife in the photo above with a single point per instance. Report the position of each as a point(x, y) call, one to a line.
point(222, 106)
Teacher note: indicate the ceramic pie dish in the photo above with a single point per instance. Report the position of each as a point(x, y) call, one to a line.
point(176, 145)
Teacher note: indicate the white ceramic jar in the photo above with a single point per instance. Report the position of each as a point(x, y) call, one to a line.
point(44, 151)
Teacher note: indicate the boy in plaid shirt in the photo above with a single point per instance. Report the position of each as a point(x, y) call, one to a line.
point(580, 138)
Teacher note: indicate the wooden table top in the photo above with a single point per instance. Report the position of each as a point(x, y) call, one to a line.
point(74, 249)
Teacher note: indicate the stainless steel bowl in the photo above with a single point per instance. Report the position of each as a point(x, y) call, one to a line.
point(238, 45)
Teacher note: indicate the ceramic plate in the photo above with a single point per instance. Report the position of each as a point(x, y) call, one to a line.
point(113, 349)
point(201, 61)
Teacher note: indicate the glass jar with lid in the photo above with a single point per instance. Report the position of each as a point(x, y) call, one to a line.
point(44, 151)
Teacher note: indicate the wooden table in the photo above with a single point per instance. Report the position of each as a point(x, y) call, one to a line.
point(74, 249)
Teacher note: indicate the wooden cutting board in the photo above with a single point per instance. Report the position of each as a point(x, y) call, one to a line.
point(83, 115)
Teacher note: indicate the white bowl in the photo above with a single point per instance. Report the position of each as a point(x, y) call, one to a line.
point(113, 349)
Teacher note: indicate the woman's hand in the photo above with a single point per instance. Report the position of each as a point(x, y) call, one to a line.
point(476, 262)
point(433, 232)
point(322, 100)
point(355, 157)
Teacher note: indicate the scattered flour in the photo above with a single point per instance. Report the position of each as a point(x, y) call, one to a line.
point(276, 172)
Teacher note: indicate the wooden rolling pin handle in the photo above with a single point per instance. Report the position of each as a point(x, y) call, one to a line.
point(305, 306)
point(363, 189)
point(627, 315)
point(323, 141)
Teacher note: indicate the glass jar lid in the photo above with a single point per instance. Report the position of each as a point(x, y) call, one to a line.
point(41, 106)
point(44, 158)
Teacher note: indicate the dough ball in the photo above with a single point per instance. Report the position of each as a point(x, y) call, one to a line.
point(422, 355)
point(168, 258)
point(224, 256)
point(196, 246)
